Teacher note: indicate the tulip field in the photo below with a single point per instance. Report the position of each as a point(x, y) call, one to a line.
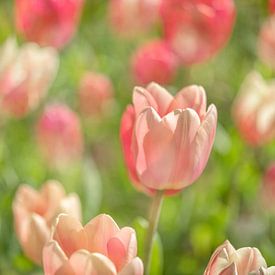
point(137, 137)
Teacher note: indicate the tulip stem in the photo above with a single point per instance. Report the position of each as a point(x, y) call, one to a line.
point(152, 228)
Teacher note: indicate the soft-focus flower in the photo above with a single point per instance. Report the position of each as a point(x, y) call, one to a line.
point(268, 187)
point(35, 211)
point(26, 73)
point(253, 110)
point(95, 94)
point(59, 135)
point(48, 22)
point(100, 247)
point(227, 260)
point(272, 6)
point(167, 140)
point(266, 42)
point(197, 29)
point(154, 61)
point(131, 17)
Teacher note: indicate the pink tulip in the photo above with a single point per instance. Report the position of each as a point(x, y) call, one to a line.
point(197, 29)
point(131, 17)
point(253, 110)
point(59, 135)
point(100, 247)
point(25, 76)
point(95, 94)
point(227, 260)
point(272, 6)
point(48, 22)
point(154, 62)
point(167, 140)
point(266, 42)
point(34, 213)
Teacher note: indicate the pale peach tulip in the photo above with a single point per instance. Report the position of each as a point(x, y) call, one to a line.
point(266, 42)
point(266, 271)
point(26, 74)
point(130, 17)
point(48, 22)
point(228, 261)
point(100, 247)
point(154, 61)
point(197, 29)
point(167, 140)
point(253, 110)
point(35, 211)
point(95, 94)
point(59, 135)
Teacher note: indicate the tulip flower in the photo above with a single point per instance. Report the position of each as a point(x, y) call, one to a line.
point(197, 29)
point(132, 17)
point(154, 62)
point(48, 22)
point(59, 135)
point(95, 94)
point(266, 42)
point(272, 6)
point(35, 211)
point(26, 74)
point(100, 247)
point(227, 260)
point(253, 110)
point(167, 140)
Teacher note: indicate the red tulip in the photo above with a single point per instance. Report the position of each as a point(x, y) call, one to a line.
point(154, 62)
point(48, 22)
point(34, 214)
point(132, 17)
point(272, 6)
point(26, 74)
point(253, 110)
point(197, 29)
point(59, 135)
point(266, 42)
point(100, 247)
point(227, 260)
point(167, 140)
point(95, 94)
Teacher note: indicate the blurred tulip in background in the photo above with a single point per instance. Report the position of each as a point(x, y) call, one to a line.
point(167, 140)
point(272, 6)
point(35, 211)
point(154, 61)
point(95, 94)
point(197, 29)
point(26, 74)
point(59, 135)
point(48, 22)
point(253, 110)
point(100, 247)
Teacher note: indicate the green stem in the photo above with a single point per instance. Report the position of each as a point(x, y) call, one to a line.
point(152, 228)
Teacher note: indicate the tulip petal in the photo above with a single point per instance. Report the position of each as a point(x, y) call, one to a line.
point(70, 234)
point(99, 231)
point(71, 205)
point(86, 263)
point(53, 258)
point(229, 270)
point(135, 267)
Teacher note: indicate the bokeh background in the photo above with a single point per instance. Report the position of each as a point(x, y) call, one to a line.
point(223, 204)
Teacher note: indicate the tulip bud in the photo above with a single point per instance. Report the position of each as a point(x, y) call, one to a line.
point(197, 29)
point(25, 76)
point(59, 136)
point(95, 94)
point(34, 213)
point(227, 260)
point(167, 140)
point(48, 22)
point(253, 110)
point(266, 42)
point(154, 62)
point(100, 247)
point(132, 17)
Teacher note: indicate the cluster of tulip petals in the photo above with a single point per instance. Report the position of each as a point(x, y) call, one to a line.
point(167, 140)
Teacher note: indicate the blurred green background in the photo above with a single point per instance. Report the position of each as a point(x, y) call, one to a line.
point(223, 204)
